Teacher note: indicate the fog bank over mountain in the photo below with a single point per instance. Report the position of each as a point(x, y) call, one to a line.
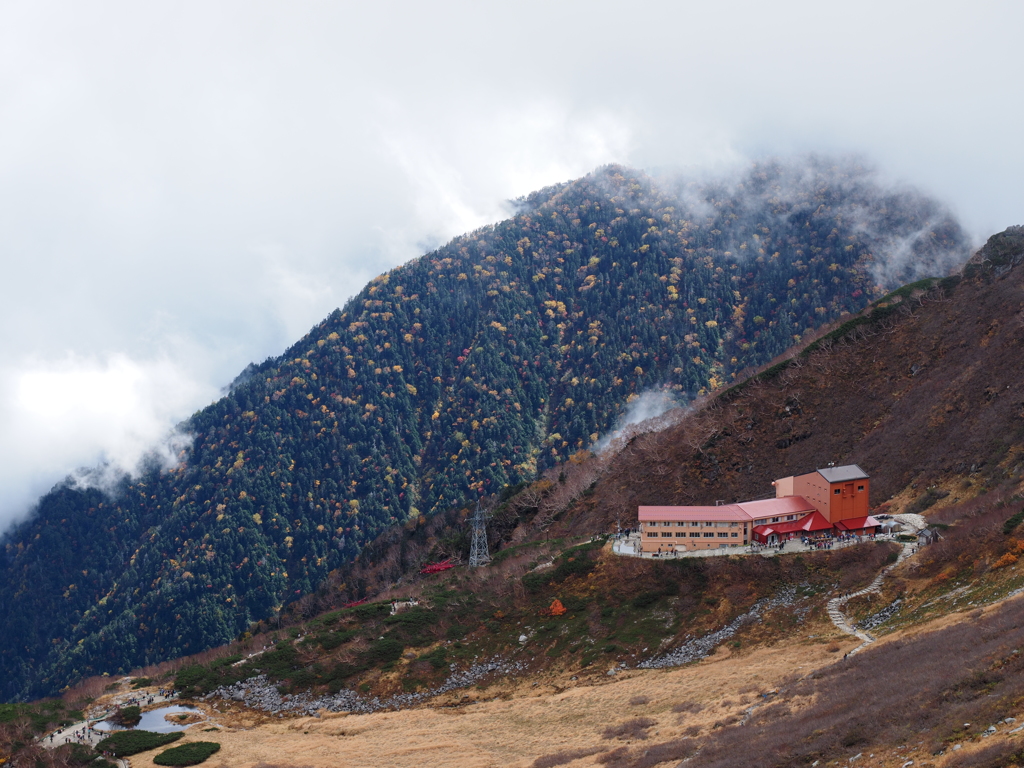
point(185, 189)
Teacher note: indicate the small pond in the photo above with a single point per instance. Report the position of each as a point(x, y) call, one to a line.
point(154, 720)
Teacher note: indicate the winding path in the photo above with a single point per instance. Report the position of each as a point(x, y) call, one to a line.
point(836, 603)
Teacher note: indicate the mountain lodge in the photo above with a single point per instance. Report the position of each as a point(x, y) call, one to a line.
point(827, 502)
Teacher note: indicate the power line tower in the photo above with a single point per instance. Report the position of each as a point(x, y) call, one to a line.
point(479, 554)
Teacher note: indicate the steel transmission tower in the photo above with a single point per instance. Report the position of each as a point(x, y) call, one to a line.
point(479, 554)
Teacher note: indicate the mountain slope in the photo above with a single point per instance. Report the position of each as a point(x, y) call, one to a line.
point(923, 393)
point(467, 370)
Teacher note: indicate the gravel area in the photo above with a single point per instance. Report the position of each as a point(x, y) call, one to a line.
point(882, 616)
point(259, 693)
point(701, 647)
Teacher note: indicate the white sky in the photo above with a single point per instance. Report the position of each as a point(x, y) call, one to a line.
point(186, 187)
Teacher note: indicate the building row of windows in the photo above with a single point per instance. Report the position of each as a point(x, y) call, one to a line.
point(691, 524)
point(765, 520)
point(860, 489)
point(694, 535)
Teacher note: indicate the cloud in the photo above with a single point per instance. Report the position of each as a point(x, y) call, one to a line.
point(218, 177)
point(92, 418)
point(462, 178)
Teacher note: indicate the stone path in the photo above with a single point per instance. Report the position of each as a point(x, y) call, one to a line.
point(836, 603)
point(914, 523)
point(66, 735)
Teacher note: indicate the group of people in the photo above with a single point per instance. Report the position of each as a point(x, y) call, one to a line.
point(87, 732)
point(818, 542)
point(81, 735)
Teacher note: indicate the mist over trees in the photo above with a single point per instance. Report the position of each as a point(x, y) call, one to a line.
point(469, 369)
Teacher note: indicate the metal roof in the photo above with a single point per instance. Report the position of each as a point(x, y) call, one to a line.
point(856, 523)
point(812, 522)
point(842, 474)
point(744, 511)
point(786, 505)
point(722, 513)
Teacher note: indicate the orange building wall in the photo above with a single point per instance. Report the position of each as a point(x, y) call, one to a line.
point(815, 489)
point(850, 501)
point(784, 487)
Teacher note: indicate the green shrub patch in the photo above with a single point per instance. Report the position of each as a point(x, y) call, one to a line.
point(125, 743)
point(332, 640)
point(384, 650)
point(126, 716)
point(1012, 522)
point(192, 753)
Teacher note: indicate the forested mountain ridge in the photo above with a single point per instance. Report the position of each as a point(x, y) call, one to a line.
point(445, 379)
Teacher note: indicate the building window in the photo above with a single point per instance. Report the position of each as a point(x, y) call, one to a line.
point(694, 535)
point(735, 535)
point(709, 535)
point(680, 525)
point(734, 525)
point(775, 519)
point(666, 534)
point(836, 491)
point(680, 535)
point(860, 487)
point(723, 535)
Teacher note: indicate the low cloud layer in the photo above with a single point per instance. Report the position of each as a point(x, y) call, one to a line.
point(188, 187)
point(93, 419)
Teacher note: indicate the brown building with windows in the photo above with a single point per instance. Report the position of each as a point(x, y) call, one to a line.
point(825, 502)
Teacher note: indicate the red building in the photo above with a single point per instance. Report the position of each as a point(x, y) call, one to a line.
point(826, 502)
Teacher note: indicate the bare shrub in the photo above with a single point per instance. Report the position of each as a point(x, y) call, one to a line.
point(636, 701)
point(687, 706)
point(565, 756)
point(677, 749)
point(995, 756)
point(615, 757)
point(652, 755)
point(832, 648)
point(932, 684)
point(631, 729)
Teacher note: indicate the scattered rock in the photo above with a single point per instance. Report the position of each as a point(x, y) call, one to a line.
point(258, 693)
point(701, 647)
